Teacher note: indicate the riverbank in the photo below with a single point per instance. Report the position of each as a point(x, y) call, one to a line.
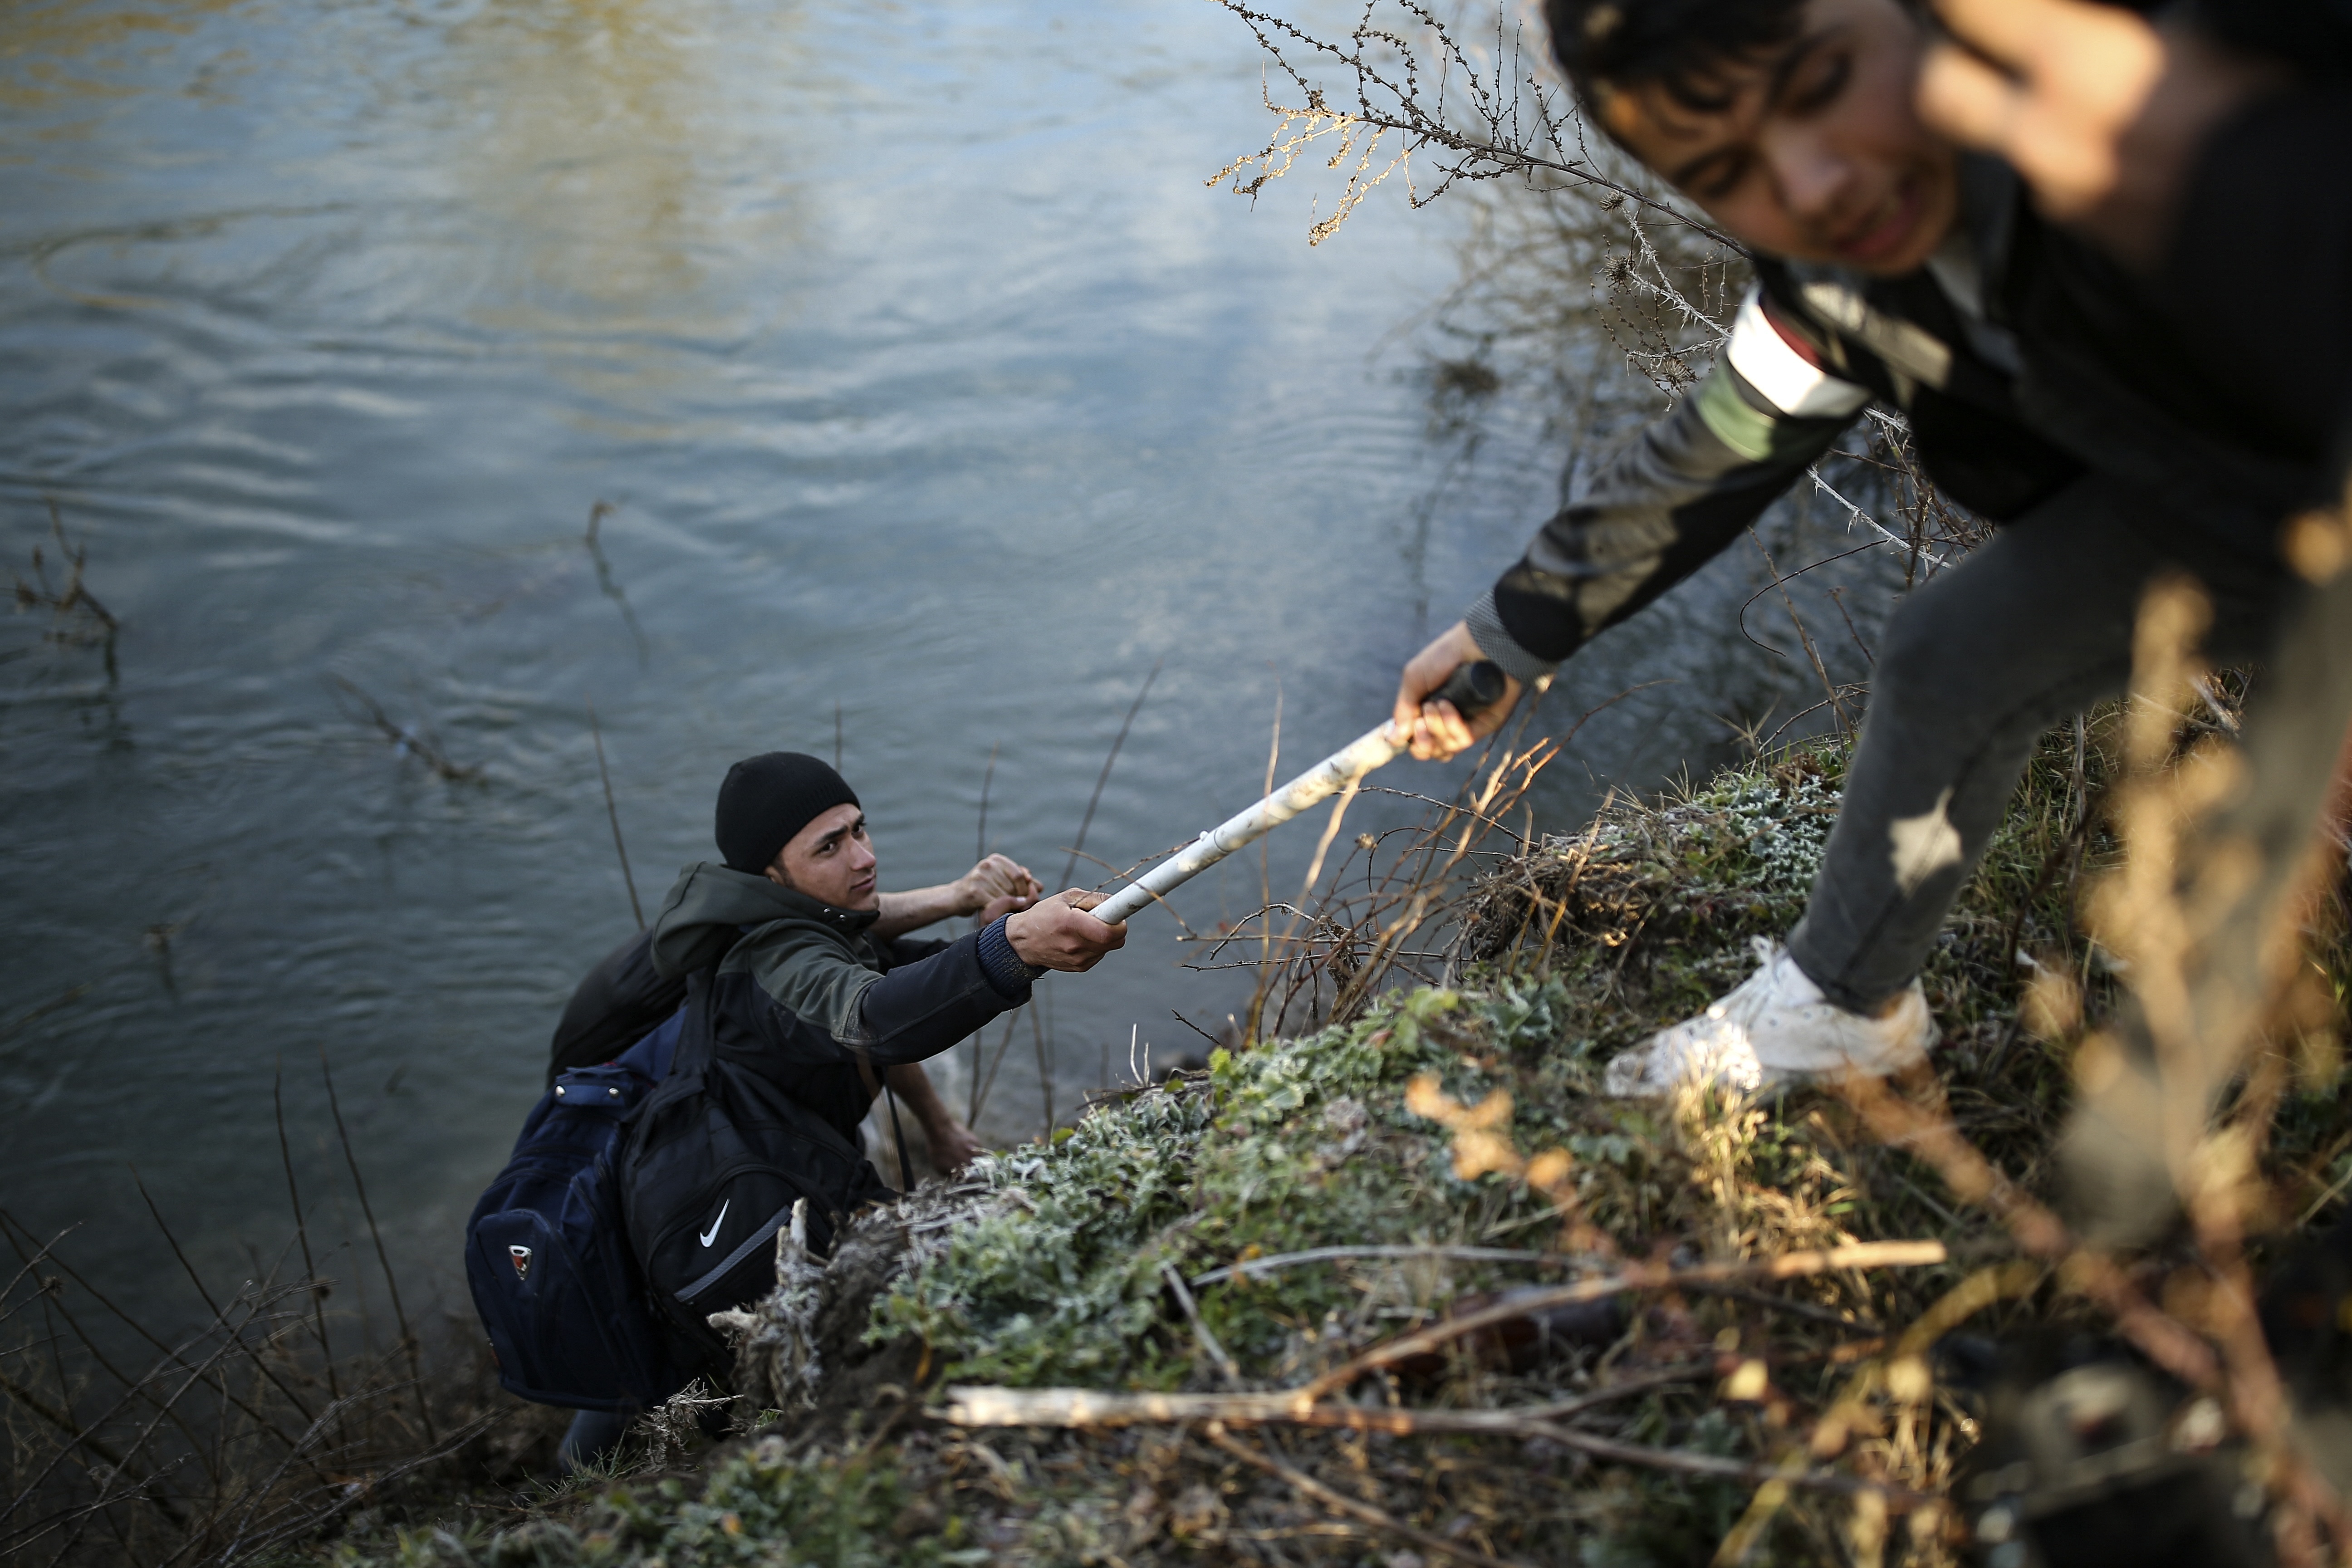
point(1628, 1316)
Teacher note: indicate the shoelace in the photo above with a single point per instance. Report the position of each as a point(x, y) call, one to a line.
point(1759, 988)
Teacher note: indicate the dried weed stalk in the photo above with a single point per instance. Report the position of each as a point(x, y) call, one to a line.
point(229, 1437)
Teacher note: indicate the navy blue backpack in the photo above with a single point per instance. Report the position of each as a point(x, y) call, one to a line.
point(551, 1271)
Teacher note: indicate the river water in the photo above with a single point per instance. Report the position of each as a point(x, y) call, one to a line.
point(932, 398)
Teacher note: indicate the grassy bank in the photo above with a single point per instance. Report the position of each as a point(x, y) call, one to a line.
point(1307, 1200)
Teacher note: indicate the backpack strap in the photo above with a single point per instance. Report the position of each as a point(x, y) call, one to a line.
point(689, 1064)
point(879, 1090)
point(698, 1048)
point(698, 1043)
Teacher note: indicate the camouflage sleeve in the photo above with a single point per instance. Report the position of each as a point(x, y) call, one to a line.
point(1679, 493)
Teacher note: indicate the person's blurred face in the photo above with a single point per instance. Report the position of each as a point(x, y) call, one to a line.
point(832, 860)
point(1814, 151)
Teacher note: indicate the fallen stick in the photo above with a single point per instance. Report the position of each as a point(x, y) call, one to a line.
point(1085, 1408)
point(1340, 1502)
point(1635, 1276)
point(984, 1407)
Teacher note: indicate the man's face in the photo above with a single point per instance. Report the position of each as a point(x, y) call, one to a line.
point(832, 860)
point(1815, 152)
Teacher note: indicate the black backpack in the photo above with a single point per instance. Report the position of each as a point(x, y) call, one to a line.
point(709, 1172)
point(551, 1274)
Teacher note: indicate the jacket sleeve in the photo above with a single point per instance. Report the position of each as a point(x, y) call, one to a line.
point(915, 1011)
point(1662, 507)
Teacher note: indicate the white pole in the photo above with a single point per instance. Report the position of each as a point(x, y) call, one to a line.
point(1473, 688)
point(1325, 779)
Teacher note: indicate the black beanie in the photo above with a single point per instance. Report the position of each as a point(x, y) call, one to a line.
point(767, 799)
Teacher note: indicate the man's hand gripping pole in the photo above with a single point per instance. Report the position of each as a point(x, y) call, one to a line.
point(1472, 689)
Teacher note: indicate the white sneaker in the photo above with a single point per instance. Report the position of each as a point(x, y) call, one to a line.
point(1776, 1028)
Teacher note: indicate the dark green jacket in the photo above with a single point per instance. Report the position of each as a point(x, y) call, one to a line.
point(814, 960)
point(800, 989)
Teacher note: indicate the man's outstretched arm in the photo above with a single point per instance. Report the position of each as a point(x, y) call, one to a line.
point(920, 1009)
point(1655, 513)
point(997, 886)
point(924, 1007)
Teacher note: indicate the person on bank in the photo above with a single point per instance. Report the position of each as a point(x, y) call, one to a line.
point(2054, 382)
point(814, 966)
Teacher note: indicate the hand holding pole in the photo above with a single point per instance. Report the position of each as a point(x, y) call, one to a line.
point(1472, 689)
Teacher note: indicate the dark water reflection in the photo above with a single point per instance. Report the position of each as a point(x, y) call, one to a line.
point(928, 384)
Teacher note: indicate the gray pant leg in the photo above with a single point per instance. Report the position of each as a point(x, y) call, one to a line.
point(2032, 627)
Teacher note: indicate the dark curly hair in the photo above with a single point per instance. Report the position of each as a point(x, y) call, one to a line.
point(1677, 45)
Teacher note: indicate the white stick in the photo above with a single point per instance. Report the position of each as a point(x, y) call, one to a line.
point(1324, 780)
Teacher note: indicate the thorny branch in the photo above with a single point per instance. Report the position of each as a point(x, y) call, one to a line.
point(1416, 86)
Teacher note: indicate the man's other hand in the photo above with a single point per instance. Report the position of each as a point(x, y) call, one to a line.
point(1058, 934)
point(952, 1145)
point(1433, 731)
point(2099, 111)
point(997, 886)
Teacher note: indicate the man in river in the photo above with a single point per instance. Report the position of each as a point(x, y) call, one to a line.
point(814, 966)
point(816, 984)
point(2055, 385)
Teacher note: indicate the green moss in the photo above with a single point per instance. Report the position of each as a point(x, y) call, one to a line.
point(1056, 1277)
point(1313, 1147)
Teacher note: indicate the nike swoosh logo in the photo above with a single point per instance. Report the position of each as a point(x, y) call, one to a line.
point(713, 1234)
